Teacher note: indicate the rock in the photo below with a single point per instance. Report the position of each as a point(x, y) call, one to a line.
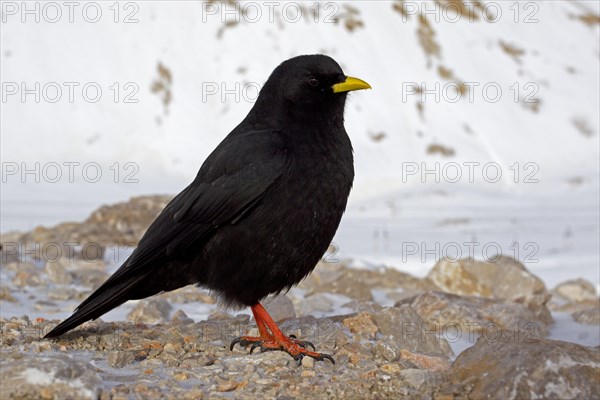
point(349, 283)
point(410, 331)
point(227, 386)
point(27, 278)
point(370, 307)
point(91, 278)
point(423, 361)
point(48, 377)
point(319, 302)
point(280, 307)
point(189, 294)
point(457, 317)
point(219, 315)
point(10, 247)
point(57, 273)
point(19, 266)
point(570, 307)
point(121, 224)
point(418, 378)
point(323, 274)
point(63, 294)
point(386, 349)
point(510, 367)
point(119, 358)
point(308, 362)
point(181, 318)
point(150, 311)
point(391, 368)
point(361, 326)
point(76, 264)
point(504, 279)
point(358, 283)
point(6, 295)
point(576, 291)
point(589, 316)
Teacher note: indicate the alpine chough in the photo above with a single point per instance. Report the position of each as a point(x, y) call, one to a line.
point(261, 211)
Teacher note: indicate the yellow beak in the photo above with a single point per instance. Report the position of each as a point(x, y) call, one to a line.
point(350, 84)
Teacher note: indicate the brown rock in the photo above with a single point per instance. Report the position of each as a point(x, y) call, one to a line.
point(576, 291)
point(504, 279)
point(358, 283)
point(431, 363)
point(508, 367)
point(6, 295)
point(410, 331)
point(361, 326)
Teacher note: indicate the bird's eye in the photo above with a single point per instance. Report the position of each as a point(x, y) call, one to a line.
point(313, 82)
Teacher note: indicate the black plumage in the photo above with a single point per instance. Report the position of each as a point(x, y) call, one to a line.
point(261, 211)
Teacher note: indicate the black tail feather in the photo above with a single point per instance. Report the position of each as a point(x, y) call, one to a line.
point(104, 299)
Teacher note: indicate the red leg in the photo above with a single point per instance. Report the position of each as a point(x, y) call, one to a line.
point(271, 338)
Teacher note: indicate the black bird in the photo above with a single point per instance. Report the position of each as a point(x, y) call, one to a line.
point(261, 212)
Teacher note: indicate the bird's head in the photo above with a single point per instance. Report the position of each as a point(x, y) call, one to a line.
point(307, 88)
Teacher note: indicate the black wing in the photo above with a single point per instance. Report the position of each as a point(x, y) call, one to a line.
point(230, 182)
point(232, 179)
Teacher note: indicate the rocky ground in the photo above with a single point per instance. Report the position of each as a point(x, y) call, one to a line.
point(468, 330)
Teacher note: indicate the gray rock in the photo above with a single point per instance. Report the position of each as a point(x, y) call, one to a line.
point(119, 358)
point(512, 367)
point(590, 316)
point(150, 311)
point(452, 315)
point(280, 307)
point(48, 377)
point(364, 306)
point(318, 302)
point(419, 378)
point(410, 331)
point(58, 273)
point(387, 350)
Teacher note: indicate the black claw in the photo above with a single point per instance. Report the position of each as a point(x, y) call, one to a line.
point(307, 343)
point(323, 356)
point(254, 346)
point(299, 358)
point(292, 336)
point(234, 342)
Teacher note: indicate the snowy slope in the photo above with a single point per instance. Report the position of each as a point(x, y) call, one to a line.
point(546, 50)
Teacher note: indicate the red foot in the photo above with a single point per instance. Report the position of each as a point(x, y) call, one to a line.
point(272, 339)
